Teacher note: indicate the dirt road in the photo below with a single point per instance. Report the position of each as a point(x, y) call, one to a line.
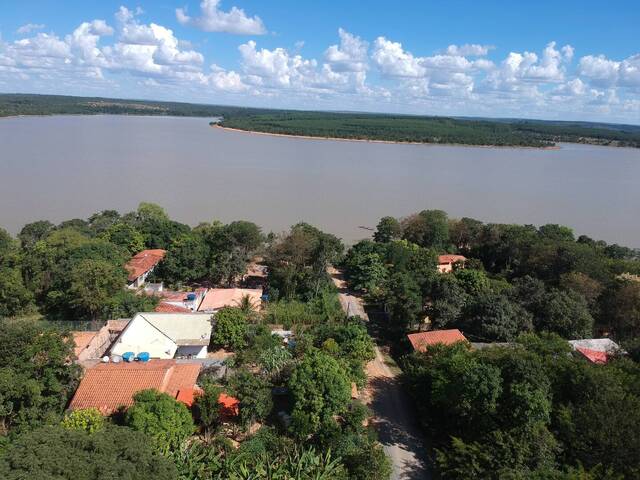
point(395, 421)
point(394, 415)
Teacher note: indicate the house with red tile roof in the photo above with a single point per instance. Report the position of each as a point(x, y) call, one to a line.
point(217, 298)
point(141, 265)
point(446, 262)
point(596, 350)
point(179, 302)
point(109, 386)
point(166, 307)
point(256, 274)
point(423, 340)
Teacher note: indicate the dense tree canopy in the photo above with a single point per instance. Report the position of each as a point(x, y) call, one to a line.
point(545, 276)
point(518, 411)
point(530, 409)
point(36, 377)
point(124, 235)
point(298, 262)
point(75, 270)
point(55, 453)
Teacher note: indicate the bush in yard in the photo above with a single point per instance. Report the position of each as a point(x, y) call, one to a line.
point(230, 328)
point(89, 420)
point(254, 394)
point(207, 408)
point(320, 388)
point(164, 419)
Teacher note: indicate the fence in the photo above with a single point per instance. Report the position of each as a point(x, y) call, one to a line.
point(76, 325)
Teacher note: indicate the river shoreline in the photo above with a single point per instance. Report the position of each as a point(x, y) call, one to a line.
point(390, 142)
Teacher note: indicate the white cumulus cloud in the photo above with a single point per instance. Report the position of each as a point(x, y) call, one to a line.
point(140, 57)
point(469, 50)
point(212, 19)
point(29, 27)
point(393, 60)
point(350, 55)
point(274, 67)
point(599, 69)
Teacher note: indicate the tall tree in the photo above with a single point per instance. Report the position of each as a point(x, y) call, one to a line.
point(124, 235)
point(429, 228)
point(403, 301)
point(34, 232)
point(493, 317)
point(388, 229)
point(320, 390)
point(622, 308)
point(186, 259)
point(254, 394)
point(93, 283)
point(36, 376)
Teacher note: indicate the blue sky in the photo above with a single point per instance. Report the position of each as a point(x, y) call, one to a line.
point(556, 60)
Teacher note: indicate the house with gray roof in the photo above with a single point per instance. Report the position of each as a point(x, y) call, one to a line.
point(166, 335)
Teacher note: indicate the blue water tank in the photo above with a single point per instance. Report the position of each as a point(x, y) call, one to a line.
point(143, 356)
point(128, 356)
point(191, 297)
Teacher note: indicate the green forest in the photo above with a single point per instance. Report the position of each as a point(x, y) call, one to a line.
point(28, 104)
point(441, 130)
point(524, 406)
point(360, 126)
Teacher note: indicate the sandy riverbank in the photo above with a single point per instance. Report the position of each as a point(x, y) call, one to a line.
point(339, 139)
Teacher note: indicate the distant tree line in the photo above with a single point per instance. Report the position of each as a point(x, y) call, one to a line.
point(30, 104)
point(397, 128)
point(433, 129)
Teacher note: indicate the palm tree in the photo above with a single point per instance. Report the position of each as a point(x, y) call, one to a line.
point(246, 304)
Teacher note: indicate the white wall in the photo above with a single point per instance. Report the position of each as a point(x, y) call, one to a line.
point(140, 336)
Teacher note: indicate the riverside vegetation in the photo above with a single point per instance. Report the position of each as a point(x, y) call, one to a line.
point(528, 409)
point(357, 126)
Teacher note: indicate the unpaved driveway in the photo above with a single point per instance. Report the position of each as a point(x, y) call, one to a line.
point(394, 415)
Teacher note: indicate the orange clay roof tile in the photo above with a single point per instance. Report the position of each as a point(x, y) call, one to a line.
point(143, 262)
point(421, 341)
point(108, 386)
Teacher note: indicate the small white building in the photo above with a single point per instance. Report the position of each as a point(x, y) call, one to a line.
point(166, 335)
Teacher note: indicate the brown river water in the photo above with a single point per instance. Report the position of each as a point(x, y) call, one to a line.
point(66, 167)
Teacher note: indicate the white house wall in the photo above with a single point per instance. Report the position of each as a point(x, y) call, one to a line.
point(140, 336)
